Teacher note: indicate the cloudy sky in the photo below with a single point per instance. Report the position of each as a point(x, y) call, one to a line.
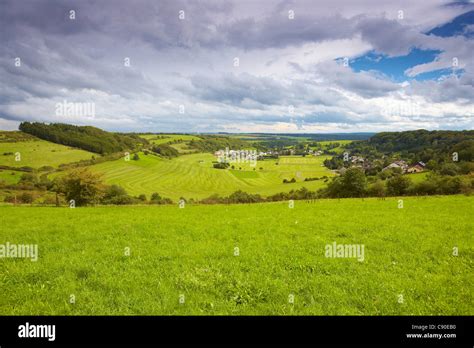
point(238, 66)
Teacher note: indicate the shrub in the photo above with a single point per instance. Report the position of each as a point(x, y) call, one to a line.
point(116, 195)
point(244, 197)
point(82, 186)
point(377, 189)
point(26, 197)
point(352, 183)
point(155, 197)
point(165, 150)
point(221, 165)
point(449, 169)
point(10, 199)
point(398, 185)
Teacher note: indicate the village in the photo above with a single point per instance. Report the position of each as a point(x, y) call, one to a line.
point(400, 165)
point(369, 166)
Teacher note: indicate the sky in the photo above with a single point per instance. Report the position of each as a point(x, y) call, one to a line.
point(238, 66)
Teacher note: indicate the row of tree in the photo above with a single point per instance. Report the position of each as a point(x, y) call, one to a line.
point(87, 188)
point(418, 145)
point(83, 137)
point(354, 183)
point(210, 143)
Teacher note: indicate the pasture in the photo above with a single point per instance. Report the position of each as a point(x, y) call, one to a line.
point(193, 175)
point(39, 153)
point(259, 259)
point(166, 138)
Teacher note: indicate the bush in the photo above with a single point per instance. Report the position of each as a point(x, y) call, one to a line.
point(213, 199)
point(244, 197)
point(26, 197)
point(221, 165)
point(467, 187)
point(29, 178)
point(377, 189)
point(466, 167)
point(424, 188)
point(155, 197)
point(10, 199)
point(352, 183)
point(449, 169)
point(82, 186)
point(116, 195)
point(49, 200)
point(398, 185)
point(165, 150)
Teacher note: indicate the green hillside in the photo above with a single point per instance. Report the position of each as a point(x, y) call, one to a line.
point(166, 138)
point(192, 176)
point(37, 153)
point(83, 137)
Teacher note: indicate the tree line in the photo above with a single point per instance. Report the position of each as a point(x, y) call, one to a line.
point(87, 188)
point(83, 137)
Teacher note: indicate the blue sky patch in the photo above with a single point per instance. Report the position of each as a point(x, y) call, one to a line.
point(458, 26)
point(395, 67)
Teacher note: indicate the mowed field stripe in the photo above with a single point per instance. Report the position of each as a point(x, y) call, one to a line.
point(192, 176)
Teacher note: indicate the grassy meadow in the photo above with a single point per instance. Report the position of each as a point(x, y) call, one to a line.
point(39, 153)
point(166, 138)
point(9, 176)
point(192, 175)
point(191, 253)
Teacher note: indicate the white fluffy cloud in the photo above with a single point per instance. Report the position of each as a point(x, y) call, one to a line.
point(191, 64)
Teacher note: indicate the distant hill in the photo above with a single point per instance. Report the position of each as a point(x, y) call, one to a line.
point(420, 144)
point(312, 136)
point(83, 137)
point(334, 136)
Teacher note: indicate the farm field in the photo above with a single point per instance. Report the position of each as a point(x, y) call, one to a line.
point(192, 176)
point(39, 153)
point(10, 176)
point(338, 149)
point(152, 138)
point(183, 148)
point(418, 177)
point(190, 254)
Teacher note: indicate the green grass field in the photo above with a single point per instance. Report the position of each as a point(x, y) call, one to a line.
point(40, 153)
point(183, 148)
point(10, 176)
point(418, 177)
point(168, 137)
point(338, 149)
point(281, 253)
point(192, 176)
